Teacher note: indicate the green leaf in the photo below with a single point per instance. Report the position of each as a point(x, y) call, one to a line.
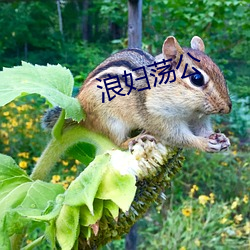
point(9, 184)
point(14, 223)
point(4, 240)
point(50, 213)
point(50, 234)
point(118, 188)
point(53, 82)
point(112, 208)
point(58, 127)
point(20, 197)
point(9, 168)
point(39, 194)
point(83, 189)
point(86, 218)
point(67, 226)
point(83, 152)
point(14, 198)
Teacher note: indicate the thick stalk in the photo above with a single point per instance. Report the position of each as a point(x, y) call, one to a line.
point(57, 147)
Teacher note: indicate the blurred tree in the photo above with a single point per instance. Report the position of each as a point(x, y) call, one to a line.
point(134, 23)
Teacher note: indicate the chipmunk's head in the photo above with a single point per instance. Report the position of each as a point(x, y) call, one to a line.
point(198, 78)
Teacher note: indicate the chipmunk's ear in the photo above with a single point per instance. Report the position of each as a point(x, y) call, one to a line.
point(171, 48)
point(197, 43)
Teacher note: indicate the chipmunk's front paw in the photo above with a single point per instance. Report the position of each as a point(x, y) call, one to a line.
point(141, 139)
point(217, 142)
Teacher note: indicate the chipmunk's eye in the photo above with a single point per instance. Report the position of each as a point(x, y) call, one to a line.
point(197, 80)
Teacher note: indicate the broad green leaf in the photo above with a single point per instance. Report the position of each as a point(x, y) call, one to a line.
point(67, 226)
point(39, 194)
point(9, 168)
point(45, 216)
point(50, 234)
point(112, 208)
point(14, 198)
point(4, 240)
point(118, 188)
point(86, 218)
point(9, 184)
point(83, 152)
point(83, 189)
point(53, 82)
point(14, 223)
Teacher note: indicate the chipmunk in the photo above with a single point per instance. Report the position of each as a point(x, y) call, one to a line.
point(175, 113)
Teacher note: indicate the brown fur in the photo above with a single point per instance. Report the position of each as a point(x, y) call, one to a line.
point(175, 113)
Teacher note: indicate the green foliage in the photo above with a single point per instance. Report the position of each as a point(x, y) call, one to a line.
point(200, 223)
point(19, 198)
point(222, 25)
point(30, 32)
point(52, 82)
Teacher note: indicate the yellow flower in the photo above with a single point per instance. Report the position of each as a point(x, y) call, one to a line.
point(224, 164)
point(55, 178)
point(6, 113)
point(197, 242)
point(65, 185)
point(29, 124)
point(4, 134)
point(6, 141)
point(28, 241)
point(223, 220)
point(6, 149)
point(235, 203)
point(73, 168)
point(14, 123)
point(65, 163)
point(223, 235)
point(234, 152)
point(35, 159)
point(24, 155)
point(238, 159)
point(23, 107)
point(247, 227)
point(211, 195)
point(183, 248)
point(23, 164)
point(187, 211)
point(12, 105)
point(238, 218)
point(245, 199)
point(203, 199)
point(77, 162)
point(193, 190)
point(238, 233)
point(70, 178)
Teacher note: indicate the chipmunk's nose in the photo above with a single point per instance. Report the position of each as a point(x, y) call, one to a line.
point(227, 108)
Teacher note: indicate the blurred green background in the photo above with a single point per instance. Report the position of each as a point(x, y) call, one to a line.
point(207, 206)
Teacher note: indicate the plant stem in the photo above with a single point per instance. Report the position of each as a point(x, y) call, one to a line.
point(57, 147)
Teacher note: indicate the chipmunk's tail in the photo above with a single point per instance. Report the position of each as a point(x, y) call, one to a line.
point(50, 117)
